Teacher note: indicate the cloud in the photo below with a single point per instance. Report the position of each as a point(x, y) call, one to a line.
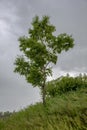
point(15, 20)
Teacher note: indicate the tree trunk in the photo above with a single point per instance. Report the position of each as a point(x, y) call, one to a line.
point(43, 94)
point(44, 86)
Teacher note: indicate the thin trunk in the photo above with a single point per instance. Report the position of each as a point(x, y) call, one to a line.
point(43, 94)
point(44, 87)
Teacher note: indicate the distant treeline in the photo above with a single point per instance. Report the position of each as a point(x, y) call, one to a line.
point(6, 114)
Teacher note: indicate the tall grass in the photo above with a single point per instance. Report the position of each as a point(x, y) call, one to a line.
point(65, 112)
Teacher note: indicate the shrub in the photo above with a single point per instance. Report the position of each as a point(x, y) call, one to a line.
point(66, 84)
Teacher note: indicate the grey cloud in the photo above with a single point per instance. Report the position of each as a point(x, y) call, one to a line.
point(15, 19)
point(76, 58)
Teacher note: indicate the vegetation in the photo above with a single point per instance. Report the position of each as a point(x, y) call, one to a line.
point(65, 111)
point(40, 50)
point(66, 84)
point(5, 114)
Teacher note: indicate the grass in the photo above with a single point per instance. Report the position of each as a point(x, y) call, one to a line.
point(65, 112)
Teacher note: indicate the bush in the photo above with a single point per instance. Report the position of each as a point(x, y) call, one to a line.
point(66, 84)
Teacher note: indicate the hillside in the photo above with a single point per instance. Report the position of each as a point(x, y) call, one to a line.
point(67, 111)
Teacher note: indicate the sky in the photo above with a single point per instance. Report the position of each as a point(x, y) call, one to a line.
point(68, 16)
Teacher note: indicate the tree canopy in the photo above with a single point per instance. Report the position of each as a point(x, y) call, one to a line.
point(40, 50)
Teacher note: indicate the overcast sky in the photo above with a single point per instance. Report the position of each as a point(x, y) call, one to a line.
point(69, 16)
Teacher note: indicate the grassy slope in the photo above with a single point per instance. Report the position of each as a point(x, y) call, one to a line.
point(65, 112)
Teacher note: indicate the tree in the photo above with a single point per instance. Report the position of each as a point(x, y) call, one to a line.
point(40, 51)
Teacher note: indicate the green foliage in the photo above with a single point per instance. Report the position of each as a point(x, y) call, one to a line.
point(66, 84)
point(40, 50)
point(65, 112)
point(5, 114)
